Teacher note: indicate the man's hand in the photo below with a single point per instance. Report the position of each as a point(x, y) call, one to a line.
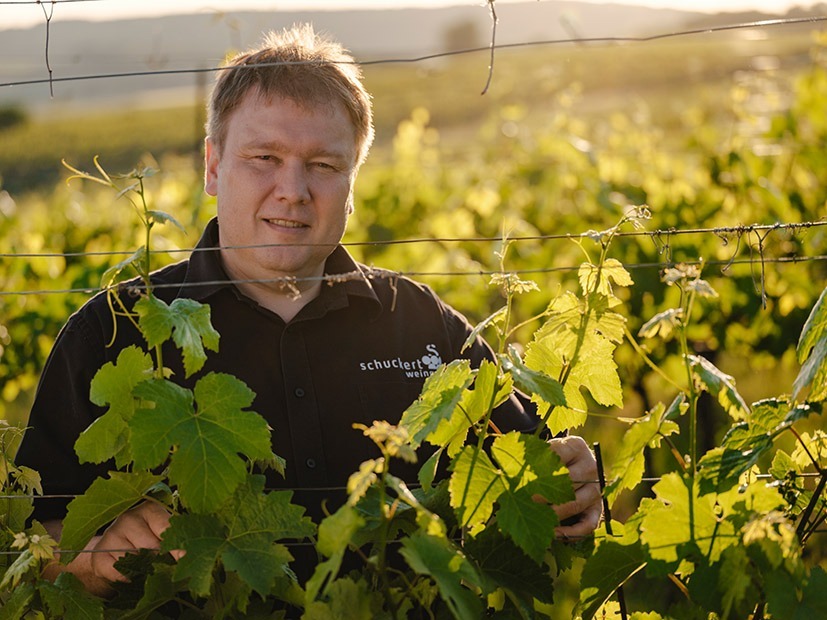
point(139, 528)
point(587, 506)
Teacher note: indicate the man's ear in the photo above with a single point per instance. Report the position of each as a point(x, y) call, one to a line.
point(211, 161)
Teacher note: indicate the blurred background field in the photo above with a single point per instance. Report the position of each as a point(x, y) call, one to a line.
point(719, 133)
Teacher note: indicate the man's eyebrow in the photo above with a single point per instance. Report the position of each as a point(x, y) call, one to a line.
point(279, 145)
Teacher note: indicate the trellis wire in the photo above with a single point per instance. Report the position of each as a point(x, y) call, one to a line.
point(444, 54)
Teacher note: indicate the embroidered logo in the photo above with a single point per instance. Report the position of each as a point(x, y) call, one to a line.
point(420, 367)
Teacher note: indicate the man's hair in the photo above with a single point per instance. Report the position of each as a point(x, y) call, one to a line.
point(299, 65)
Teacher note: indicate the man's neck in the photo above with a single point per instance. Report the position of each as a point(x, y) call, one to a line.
point(286, 300)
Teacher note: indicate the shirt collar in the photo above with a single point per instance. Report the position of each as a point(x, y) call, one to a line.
point(205, 274)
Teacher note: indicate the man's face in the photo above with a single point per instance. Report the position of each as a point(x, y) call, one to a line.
point(284, 176)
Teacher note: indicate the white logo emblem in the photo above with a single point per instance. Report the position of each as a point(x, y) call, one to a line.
point(420, 367)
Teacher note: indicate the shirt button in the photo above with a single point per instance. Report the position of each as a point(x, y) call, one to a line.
point(299, 392)
point(311, 463)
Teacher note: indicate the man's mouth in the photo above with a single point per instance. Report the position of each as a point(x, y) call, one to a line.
point(285, 223)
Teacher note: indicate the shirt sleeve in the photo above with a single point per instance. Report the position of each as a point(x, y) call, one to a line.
point(60, 412)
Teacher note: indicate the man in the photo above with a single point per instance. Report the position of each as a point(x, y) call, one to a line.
point(289, 126)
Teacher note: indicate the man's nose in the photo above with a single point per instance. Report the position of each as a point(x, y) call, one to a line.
point(292, 183)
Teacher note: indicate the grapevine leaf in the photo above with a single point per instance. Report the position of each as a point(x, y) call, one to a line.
point(474, 487)
point(440, 395)
point(597, 279)
point(23, 563)
point(242, 535)
point(335, 534)
point(111, 274)
point(746, 442)
point(613, 562)
point(346, 599)
point(106, 499)
point(206, 465)
point(528, 523)
point(161, 217)
point(663, 323)
point(437, 558)
point(668, 528)
point(538, 384)
point(478, 329)
point(108, 436)
point(17, 604)
point(720, 385)
point(530, 464)
point(734, 581)
point(591, 366)
point(66, 598)
point(627, 470)
point(489, 391)
point(203, 538)
point(814, 599)
point(503, 564)
point(814, 373)
point(186, 321)
point(814, 330)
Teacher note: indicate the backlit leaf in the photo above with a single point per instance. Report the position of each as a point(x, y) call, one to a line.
point(474, 486)
point(186, 321)
point(720, 386)
point(440, 395)
point(528, 523)
point(437, 558)
point(628, 468)
point(598, 279)
point(108, 436)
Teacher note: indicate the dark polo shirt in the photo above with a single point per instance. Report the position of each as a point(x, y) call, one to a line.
point(358, 352)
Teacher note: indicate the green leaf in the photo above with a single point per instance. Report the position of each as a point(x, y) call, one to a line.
point(15, 607)
point(203, 538)
point(530, 464)
point(628, 468)
point(502, 564)
point(814, 598)
point(23, 563)
point(243, 535)
point(104, 500)
point(437, 558)
point(669, 529)
point(721, 386)
point(663, 323)
point(528, 523)
point(161, 217)
point(613, 562)
point(209, 438)
point(108, 436)
point(533, 383)
point(489, 391)
point(335, 534)
point(814, 373)
point(186, 321)
point(478, 329)
point(474, 487)
point(734, 582)
point(346, 599)
point(111, 274)
point(440, 395)
point(598, 279)
point(814, 330)
point(589, 357)
point(66, 598)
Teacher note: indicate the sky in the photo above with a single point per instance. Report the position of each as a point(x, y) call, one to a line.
point(23, 14)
